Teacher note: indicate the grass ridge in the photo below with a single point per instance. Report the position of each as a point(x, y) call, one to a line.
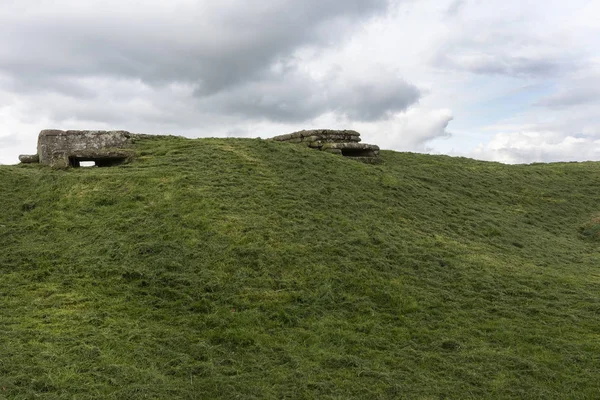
point(224, 268)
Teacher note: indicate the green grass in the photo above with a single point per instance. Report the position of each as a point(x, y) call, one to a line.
point(232, 268)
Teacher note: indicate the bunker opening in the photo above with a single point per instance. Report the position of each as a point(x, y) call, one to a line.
point(77, 162)
point(358, 153)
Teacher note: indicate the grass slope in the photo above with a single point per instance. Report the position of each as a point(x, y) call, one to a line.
point(231, 268)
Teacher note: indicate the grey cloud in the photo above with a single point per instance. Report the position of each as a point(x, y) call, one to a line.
point(498, 50)
point(213, 46)
point(482, 62)
point(455, 7)
point(514, 66)
point(370, 101)
point(294, 96)
point(236, 55)
point(43, 83)
point(570, 98)
point(576, 93)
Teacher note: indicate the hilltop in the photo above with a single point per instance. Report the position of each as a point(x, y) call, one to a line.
point(245, 268)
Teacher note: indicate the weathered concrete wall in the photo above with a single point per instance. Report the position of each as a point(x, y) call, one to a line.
point(317, 137)
point(29, 158)
point(342, 142)
point(55, 146)
point(352, 149)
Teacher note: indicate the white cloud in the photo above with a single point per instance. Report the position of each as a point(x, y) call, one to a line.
point(526, 147)
point(409, 131)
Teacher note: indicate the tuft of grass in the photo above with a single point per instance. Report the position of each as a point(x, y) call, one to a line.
point(591, 229)
point(237, 268)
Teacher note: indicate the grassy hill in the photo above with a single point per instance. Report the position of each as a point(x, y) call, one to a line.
point(232, 268)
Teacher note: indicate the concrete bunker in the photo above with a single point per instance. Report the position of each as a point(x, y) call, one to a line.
point(341, 142)
point(358, 153)
point(96, 161)
point(61, 149)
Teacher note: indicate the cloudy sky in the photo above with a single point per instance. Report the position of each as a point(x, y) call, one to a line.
point(507, 80)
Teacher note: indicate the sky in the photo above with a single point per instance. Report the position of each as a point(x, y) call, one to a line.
point(515, 81)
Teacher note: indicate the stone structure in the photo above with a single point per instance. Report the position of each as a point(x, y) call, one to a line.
point(61, 149)
point(344, 142)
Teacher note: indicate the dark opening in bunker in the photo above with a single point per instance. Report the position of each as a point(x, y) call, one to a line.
point(96, 161)
point(358, 153)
